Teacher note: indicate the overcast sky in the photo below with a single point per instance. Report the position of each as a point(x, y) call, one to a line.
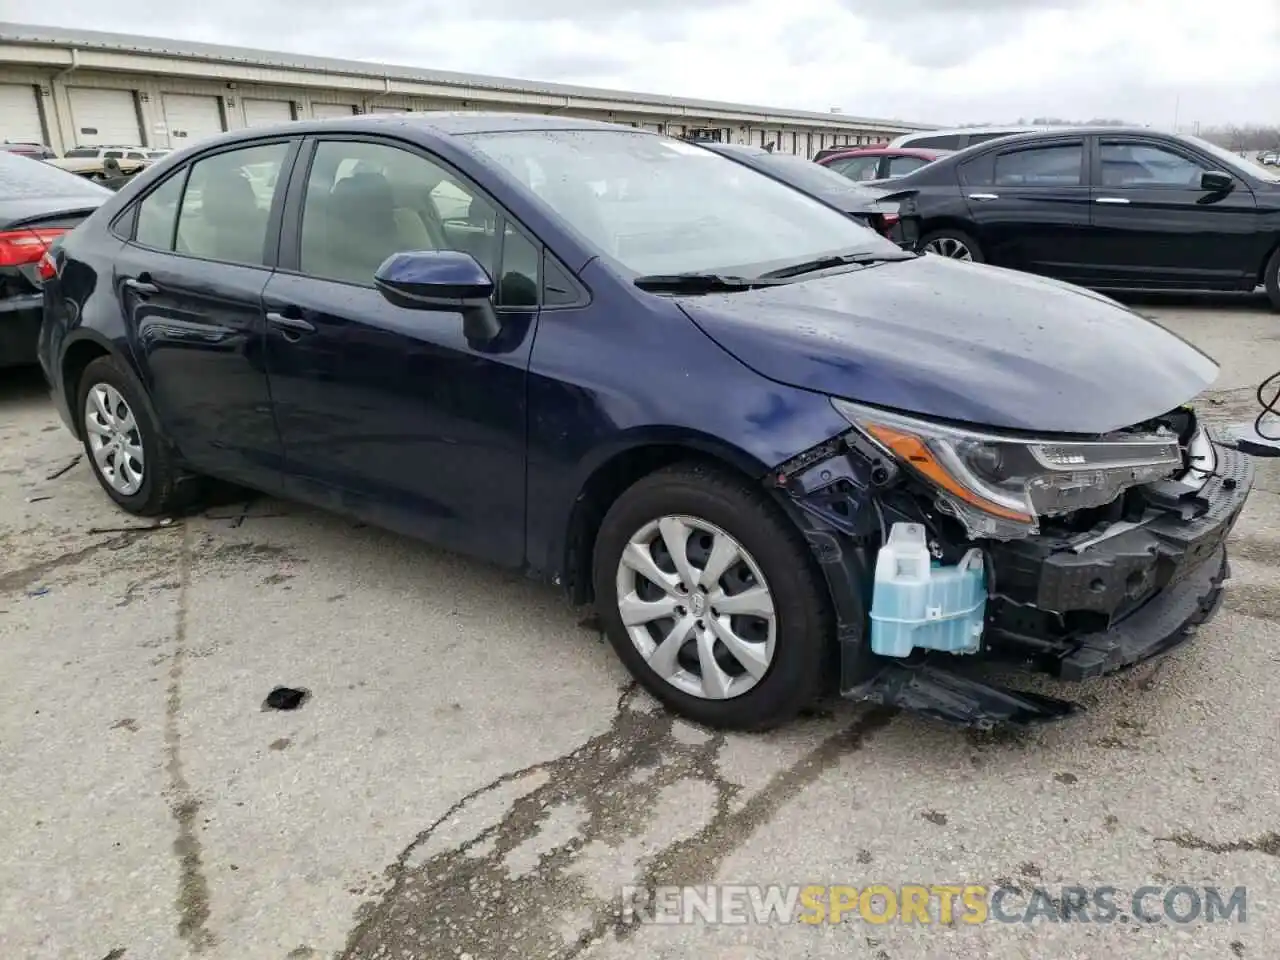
point(943, 61)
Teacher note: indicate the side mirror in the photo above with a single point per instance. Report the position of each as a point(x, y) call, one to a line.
point(1216, 181)
point(443, 280)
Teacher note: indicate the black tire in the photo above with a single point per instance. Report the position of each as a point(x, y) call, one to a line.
point(1271, 279)
point(165, 489)
point(949, 233)
point(804, 656)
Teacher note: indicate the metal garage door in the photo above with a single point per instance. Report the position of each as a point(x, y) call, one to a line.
point(377, 109)
point(103, 117)
point(189, 118)
point(20, 114)
point(323, 110)
point(262, 113)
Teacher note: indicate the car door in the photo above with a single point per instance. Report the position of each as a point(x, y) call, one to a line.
point(190, 278)
point(1153, 224)
point(389, 413)
point(1029, 203)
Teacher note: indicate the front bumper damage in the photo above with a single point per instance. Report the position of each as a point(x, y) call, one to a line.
point(1074, 602)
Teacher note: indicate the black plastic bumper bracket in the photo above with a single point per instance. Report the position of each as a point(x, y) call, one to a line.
point(952, 698)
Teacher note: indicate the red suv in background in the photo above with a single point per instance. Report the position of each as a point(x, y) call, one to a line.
point(879, 163)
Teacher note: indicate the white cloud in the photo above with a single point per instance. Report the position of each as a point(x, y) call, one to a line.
point(930, 60)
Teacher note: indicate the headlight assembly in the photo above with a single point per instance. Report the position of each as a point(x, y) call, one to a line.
point(999, 486)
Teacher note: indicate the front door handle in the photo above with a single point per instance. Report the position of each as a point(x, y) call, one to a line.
point(141, 287)
point(984, 196)
point(1112, 200)
point(290, 324)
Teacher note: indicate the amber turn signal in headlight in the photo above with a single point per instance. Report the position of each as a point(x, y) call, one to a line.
point(999, 485)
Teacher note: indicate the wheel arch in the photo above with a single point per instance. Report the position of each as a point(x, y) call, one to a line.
point(613, 472)
point(82, 349)
point(950, 222)
point(1266, 259)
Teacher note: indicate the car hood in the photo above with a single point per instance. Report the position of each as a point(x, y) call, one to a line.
point(963, 342)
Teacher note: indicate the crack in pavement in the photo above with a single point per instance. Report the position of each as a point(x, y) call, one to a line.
point(1267, 843)
point(193, 889)
point(469, 897)
point(14, 581)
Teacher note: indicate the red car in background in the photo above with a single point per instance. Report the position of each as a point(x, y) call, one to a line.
point(879, 163)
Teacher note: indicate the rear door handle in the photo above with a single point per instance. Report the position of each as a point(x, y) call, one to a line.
point(1112, 200)
point(141, 287)
point(984, 196)
point(290, 324)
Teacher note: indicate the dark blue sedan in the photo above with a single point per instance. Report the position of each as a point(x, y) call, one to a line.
point(781, 454)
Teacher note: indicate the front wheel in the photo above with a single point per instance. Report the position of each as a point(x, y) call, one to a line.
point(709, 596)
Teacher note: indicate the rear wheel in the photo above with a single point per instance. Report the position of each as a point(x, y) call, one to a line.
point(709, 597)
point(131, 459)
point(1271, 279)
point(952, 244)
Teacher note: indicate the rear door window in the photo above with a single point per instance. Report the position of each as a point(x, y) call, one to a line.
point(899, 166)
point(857, 168)
point(226, 206)
point(1058, 165)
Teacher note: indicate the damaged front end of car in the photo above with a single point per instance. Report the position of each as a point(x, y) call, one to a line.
point(944, 546)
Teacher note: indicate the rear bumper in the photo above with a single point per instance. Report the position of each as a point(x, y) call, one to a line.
point(20, 329)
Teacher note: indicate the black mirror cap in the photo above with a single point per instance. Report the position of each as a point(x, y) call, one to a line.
point(433, 280)
point(1216, 181)
point(444, 280)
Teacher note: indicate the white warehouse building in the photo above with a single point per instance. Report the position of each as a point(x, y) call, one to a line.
point(71, 88)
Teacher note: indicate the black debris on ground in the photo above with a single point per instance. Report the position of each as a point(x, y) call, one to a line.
point(286, 698)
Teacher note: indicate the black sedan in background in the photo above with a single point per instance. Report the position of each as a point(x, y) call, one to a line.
point(877, 208)
point(1107, 208)
point(38, 204)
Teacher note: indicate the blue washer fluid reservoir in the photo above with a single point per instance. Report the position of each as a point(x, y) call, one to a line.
point(918, 603)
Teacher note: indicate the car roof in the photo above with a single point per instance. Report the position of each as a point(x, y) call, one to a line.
point(924, 152)
point(1080, 131)
point(431, 123)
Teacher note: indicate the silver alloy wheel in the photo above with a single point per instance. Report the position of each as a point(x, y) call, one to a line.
point(114, 439)
point(949, 247)
point(697, 607)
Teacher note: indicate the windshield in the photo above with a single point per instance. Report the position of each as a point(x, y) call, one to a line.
point(1233, 162)
point(660, 206)
point(81, 153)
point(27, 177)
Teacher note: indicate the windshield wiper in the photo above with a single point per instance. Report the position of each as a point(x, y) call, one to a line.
point(834, 260)
point(701, 282)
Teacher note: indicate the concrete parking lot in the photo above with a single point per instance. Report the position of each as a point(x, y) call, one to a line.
point(473, 776)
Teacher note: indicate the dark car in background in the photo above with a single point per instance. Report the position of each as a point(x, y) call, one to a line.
point(876, 209)
point(664, 381)
point(38, 204)
point(1109, 208)
point(879, 163)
